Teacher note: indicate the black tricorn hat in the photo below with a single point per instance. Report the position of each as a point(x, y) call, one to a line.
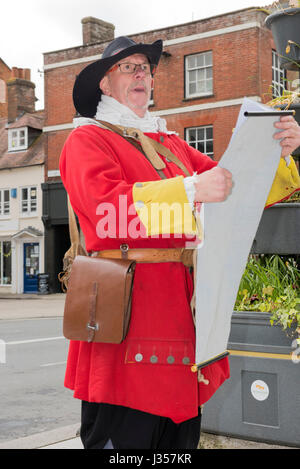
point(86, 91)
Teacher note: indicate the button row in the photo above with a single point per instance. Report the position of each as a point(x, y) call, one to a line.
point(154, 359)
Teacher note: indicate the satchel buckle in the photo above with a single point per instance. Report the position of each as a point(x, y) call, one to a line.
point(94, 327)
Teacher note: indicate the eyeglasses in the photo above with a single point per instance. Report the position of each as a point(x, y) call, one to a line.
point(130, 68)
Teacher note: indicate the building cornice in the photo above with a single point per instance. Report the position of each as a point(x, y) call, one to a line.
point(166, 43)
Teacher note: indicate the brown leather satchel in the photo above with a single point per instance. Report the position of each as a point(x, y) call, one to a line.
point(98, 299)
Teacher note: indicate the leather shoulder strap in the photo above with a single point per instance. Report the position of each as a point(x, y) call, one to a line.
point(133, 136)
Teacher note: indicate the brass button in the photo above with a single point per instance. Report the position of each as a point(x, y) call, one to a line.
point(153, 359)
point(139, 357)
point(139, 184)
point(185, 360)
point(139, 204)
point(170, 359)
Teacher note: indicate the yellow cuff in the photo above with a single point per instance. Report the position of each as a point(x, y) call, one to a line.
point(286, 182)
point(163, 207)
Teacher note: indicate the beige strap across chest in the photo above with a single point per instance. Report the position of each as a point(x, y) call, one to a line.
point(150, 147)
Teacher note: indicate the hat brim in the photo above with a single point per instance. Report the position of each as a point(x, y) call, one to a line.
point(86, 91)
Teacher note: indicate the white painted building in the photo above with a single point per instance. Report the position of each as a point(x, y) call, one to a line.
point(22, 159)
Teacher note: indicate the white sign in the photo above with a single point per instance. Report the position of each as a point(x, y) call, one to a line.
point(260, 390)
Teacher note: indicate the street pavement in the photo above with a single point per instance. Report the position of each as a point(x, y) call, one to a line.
point(16, 307)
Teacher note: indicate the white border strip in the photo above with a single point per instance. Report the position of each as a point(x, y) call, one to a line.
point(214, 32)
point(203, 107)
point(170, 42)
point(54, 128)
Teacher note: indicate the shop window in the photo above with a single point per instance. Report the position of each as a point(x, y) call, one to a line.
point(5, 263)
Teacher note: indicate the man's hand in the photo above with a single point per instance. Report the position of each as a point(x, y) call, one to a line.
point(213, 185)
point(290, 134)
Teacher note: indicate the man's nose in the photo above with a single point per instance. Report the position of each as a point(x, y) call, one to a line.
point(139, 71)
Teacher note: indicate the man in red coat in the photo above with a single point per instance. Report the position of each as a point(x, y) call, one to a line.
point(141, 393)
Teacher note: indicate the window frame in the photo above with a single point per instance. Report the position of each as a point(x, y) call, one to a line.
point(277, 87)
point(18, 146)
point(2, 203)
point(197, 94)
point(29, 212)
point(204, 127)
point(2, 263)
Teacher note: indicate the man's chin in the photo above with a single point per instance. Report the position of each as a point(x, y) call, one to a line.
point(138, 107)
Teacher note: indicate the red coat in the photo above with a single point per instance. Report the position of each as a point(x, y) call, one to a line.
point(97, 166)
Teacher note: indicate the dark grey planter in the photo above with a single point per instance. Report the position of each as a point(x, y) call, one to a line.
point(279, 230)
point(260, 401)
point(285, 26)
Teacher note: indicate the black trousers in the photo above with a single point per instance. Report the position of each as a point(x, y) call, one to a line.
point(133, 429)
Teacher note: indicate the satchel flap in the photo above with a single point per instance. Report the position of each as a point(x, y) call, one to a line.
point(111, 303)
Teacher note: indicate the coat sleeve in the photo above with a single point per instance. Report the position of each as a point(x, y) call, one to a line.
point(94, 179)
point(286, 182)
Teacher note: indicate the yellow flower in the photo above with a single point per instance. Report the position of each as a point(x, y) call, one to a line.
point(288, 49)
point(267, 290)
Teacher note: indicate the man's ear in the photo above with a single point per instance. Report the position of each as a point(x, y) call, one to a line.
point(104, 86)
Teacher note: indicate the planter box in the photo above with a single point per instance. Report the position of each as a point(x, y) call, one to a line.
point(260, 401)
point(279, 230)
point(284, 25)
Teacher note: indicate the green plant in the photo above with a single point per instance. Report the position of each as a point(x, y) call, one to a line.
point(272, 284)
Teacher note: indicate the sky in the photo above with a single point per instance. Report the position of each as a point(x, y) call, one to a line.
point(30, 28)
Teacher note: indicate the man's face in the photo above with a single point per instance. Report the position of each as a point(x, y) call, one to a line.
point(132, 90)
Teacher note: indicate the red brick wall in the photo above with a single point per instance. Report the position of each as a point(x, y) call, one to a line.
point(242, 62)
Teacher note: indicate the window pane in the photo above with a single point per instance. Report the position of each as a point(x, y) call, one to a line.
point(201, 74)
point(201, 147)
point(209, 133)
point(191, 61)
point(200, 60)
point(208, 58)
point(201, 87)
point(200, 134)
point(192, 88)
point(192, 135)
point(193, 76)
point(209, 86)
point(33, 192)
point(22, 133)
point(209, 147)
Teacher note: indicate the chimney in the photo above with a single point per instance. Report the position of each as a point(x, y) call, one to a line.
point(20, 93)
point(95, 30)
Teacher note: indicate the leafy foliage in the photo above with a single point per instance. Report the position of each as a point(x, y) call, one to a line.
point(272, 284)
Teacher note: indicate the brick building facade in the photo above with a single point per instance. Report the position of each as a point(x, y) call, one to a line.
point(206, 69)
